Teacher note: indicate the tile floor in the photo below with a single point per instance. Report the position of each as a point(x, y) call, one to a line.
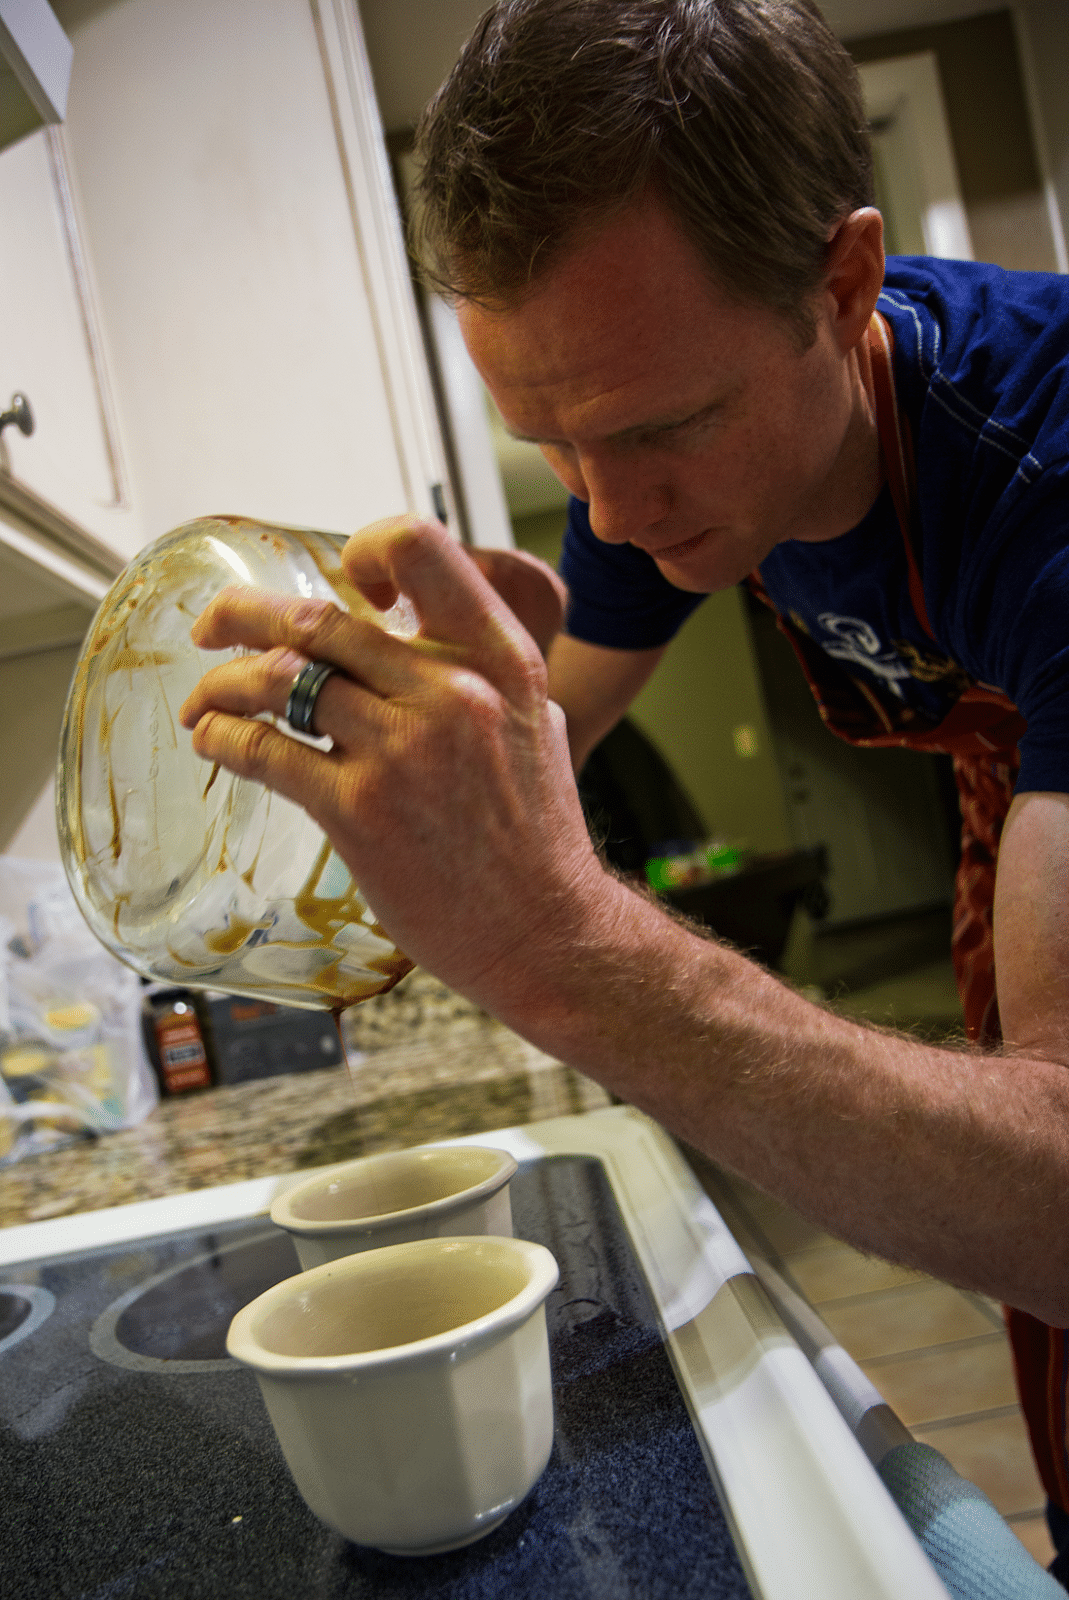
point(939, 1356)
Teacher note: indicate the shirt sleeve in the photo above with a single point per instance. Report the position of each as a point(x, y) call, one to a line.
point(616, 594)
point(1016, 600)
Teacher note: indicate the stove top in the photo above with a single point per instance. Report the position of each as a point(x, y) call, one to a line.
point(695, 1453)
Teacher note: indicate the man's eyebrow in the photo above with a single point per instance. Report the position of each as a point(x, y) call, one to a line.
point(637, 430)
point(527, 438)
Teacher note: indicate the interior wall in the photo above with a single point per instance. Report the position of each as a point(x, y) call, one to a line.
point(705, 710)
point(407, 73)
point(1043, 38)
point(983, 85)
point(33, 693)
point(36, 839)
point(36, 609)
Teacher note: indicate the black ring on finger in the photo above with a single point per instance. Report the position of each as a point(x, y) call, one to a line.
point(300, 707)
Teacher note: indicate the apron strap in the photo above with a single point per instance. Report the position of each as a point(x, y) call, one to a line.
point(896, 451)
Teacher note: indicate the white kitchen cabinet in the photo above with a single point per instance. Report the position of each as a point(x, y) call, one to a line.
point(252, 281)
point(64, 479)
point(209, 306)
point(62, 503)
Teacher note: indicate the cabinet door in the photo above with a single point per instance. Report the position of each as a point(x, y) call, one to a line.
point(68, 470)
point(253, 285)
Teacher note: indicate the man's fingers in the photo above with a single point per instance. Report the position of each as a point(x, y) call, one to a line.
point(465, 625)
point(314, 630)
point(375, 582)
point(261, 618)
point(530, 589)
point(421, 560)
point(256, 750)
point(249, 685)
point(455, 602)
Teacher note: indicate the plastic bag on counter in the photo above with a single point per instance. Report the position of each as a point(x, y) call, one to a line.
point(72, 1059)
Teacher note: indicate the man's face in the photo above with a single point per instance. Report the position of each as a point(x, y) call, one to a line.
point(693, 426)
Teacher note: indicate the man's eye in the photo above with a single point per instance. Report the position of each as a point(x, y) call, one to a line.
point(701, 424)
point(682, 434)
point(692, 428)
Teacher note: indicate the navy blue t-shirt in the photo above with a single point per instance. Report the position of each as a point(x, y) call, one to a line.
point(981, 365)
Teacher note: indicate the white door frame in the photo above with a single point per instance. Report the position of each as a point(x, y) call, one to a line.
point(377, 225)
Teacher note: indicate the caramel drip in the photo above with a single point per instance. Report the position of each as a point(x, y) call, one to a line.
point(116, 821)
point(129, 660)
point(250, 872)
point(224, 941)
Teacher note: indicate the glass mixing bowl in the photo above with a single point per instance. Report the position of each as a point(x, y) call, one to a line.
point(185, 872)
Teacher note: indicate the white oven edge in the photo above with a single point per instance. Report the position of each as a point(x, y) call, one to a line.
point(808, 1512)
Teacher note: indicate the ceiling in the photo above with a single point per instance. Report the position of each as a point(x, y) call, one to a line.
point(407, 77)
point(852, 19)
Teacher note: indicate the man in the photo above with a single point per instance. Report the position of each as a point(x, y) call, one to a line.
point(655, 219)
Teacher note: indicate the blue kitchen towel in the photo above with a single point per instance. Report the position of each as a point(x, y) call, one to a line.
point(964, 1537)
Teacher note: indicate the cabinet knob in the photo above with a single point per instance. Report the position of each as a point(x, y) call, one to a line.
point(20, 413)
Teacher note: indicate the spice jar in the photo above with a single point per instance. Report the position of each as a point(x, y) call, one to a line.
point(189, 874)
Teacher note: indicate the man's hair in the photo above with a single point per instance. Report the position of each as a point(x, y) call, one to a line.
point(744, 116)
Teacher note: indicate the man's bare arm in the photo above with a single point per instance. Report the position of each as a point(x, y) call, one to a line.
point(594, 686)
point(449, 794)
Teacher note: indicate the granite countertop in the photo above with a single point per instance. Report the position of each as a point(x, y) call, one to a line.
point(423, 1064)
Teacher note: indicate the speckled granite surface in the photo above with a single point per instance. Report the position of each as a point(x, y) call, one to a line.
point(424, 1064)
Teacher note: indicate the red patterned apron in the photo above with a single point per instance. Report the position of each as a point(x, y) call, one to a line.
point(980, 732)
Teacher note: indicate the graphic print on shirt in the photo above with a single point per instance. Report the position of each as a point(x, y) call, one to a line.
point(928, 667)
point(856, 641)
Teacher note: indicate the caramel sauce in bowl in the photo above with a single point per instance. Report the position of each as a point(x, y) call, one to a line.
point(185, 872)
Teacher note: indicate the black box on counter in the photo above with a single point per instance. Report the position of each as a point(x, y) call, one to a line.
point(254, 1039)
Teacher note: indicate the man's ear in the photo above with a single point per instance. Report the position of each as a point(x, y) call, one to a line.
point(853, 275)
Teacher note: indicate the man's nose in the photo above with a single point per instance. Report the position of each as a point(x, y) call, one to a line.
point(624, 498)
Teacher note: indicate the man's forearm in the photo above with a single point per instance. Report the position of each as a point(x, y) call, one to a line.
point(595, 686)
point(952, 1161)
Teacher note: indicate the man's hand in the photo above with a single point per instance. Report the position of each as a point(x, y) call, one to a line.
point(532, 591)
point(593, 685)
point(448, 791)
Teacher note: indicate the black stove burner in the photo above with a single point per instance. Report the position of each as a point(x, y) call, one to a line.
point(24, 1307)
point(14, 1309)
point(156, 1474)
point(185, 1315)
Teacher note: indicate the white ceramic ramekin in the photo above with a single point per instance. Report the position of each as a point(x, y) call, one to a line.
point(409, 1387)
point(423, 1193)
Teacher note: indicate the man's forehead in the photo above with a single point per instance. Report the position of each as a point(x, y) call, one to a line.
point(637, 260)
point(627, 330)
point(549, 386)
